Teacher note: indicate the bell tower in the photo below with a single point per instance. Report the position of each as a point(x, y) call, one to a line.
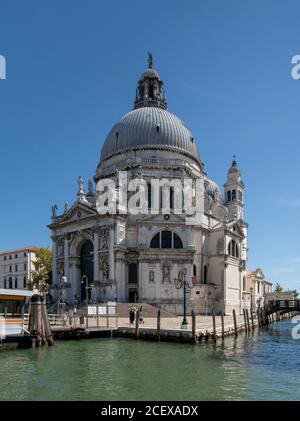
point(234, 192)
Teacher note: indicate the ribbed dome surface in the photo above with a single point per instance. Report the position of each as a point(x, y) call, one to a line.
point(149, 127)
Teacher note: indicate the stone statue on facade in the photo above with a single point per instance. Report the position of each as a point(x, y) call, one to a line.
point(104, 238)
point(66, 207)
point(90, 188)
point(151, 276)
point(54, 211)
point(80, 182)
point(104, 267)
point(166, 271)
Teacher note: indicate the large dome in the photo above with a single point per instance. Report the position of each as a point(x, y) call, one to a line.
point(149, 128)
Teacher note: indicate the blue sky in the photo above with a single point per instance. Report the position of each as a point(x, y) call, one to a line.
point(72, 68)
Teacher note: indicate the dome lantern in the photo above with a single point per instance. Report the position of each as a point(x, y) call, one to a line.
point(150, 90)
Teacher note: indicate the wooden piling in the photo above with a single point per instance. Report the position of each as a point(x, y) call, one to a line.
point(252, 319)
point(214, 326)
point(194, 327)
point(46, 324)
point(234, 321)
point(258, 318)
point(245, 320)
point(222, 324)
point(137, 324)
point(248, 321)
point(158, 325)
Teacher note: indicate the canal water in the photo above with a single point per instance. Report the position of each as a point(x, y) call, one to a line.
point(263, 366)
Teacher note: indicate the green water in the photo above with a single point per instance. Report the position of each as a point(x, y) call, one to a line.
point(264, 366)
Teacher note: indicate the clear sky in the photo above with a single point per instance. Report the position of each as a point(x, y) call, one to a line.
point(72, 68)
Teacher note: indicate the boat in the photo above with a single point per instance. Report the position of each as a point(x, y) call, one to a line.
point(13, 304)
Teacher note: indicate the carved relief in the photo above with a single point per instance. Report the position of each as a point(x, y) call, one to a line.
point(166, 271)
point(60, 247)
point(121, 233)
point(60, 267)
point(104, 238)
point(104, 267)
point(151, 276)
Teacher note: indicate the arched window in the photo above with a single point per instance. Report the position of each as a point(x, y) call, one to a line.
point(233, 195)
point(233, 249)
point(177, 242)
point(205, 274)
point(149, 192)
point(244, 283)
point(10, 285)
point(194, 270)
point(155, 242)
point(166, 240)
point(229, 196)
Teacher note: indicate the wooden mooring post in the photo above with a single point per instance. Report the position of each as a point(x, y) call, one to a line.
point(234, 322)
point(214, 326)
point(137, 324)
point(252, 319)
point(245, 320)
point(194, 336)
point(158, 324)
point(258, 317)
point(38, 321)
point(222, 324)
point(248, 321)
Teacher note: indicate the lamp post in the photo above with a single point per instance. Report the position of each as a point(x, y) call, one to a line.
point(85, 280)
point(182, 283)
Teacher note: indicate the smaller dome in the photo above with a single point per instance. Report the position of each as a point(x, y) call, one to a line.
point(234, 172)
point(212, 189)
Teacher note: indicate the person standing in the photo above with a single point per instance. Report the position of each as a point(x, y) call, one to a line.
point(131, 316)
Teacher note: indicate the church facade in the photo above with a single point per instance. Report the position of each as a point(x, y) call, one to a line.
point(143, 257)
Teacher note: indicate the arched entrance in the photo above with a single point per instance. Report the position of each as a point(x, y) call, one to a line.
point(86, 267)
point(132, 283)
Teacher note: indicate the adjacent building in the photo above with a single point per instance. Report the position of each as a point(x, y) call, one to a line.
point(16, 267)
point(255, 288)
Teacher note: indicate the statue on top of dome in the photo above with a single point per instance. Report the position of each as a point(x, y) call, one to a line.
point(150, 61)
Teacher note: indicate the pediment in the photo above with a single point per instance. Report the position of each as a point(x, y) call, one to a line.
point(259, 274)
point(78, 211)
point(172, 218)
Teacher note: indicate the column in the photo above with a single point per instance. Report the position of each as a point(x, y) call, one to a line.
point(189, 236)
point(157, 280)
point(66, 259)
point(96, 256)
point(111, 253)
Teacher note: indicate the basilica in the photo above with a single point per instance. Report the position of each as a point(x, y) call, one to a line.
point(127, 257)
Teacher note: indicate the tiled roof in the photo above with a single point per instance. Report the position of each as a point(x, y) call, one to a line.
point(20, 250)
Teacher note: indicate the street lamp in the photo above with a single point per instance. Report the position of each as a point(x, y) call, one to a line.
point(182, 283)
point(85, 280)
